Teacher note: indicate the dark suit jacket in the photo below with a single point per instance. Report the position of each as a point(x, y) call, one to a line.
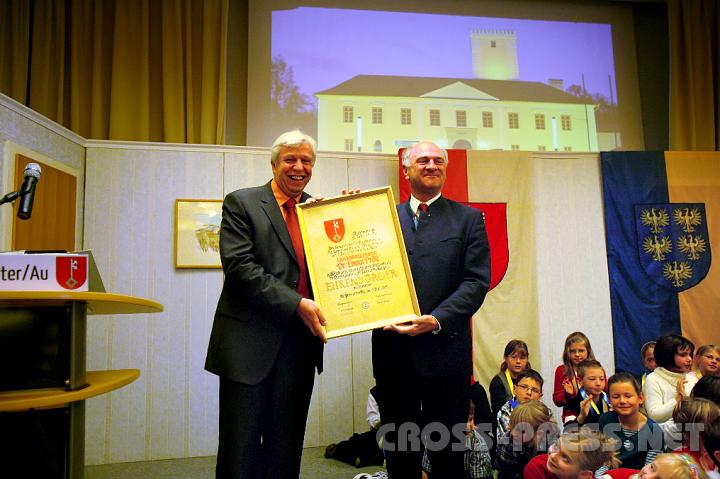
point(258, 299)
point(450, 263)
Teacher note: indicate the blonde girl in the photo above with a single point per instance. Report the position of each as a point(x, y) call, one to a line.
point(532, 429)
point(707, 361)
point(576, 455)
point(577, 349)
point(665, 466)
point(533, 424)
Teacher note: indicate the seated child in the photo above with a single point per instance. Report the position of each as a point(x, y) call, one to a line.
point(665, 466)
point(575, 455)
point(707, 360)
point(690, 417)
point(515, 361)
point(528, 388)
point(710, 455)
point(591, 401)
point(708, 387)
point(648, 359)
point(482, 414)
point(672, 379)
point(640, 439)
point(566, 387)
point(361, 450)
point(532, 430)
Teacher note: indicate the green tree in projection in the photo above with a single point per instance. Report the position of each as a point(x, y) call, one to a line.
point(606, 115)
point(290, 108)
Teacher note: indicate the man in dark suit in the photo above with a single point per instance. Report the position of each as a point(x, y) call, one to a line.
point(267, 336)
point(423, 367)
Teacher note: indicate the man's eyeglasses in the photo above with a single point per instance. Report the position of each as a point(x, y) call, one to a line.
point(525, 387)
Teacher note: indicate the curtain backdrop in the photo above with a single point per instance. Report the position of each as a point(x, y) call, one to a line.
point(694, 29)
point(140, 70)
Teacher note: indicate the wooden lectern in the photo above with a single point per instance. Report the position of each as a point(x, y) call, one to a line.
point(72, 308)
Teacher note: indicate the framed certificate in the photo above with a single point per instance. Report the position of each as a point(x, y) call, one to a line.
point(357, 262)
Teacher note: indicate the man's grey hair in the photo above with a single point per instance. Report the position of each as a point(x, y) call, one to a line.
point(291, 138)
point(407, 154)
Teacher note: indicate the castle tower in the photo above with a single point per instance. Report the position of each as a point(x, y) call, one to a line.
point(494, 54)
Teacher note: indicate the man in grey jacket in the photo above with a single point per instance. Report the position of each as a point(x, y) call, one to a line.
point(267, 336)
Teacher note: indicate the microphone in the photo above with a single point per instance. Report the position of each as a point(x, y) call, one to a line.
point(27, 190)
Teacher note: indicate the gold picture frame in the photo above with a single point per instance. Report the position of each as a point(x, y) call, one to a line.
point(197, 233)
point(357, 262)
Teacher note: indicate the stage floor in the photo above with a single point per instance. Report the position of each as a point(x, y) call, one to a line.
point(314, 465)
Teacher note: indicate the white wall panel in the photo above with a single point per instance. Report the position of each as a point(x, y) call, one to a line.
point(171, 411)
point(330, 416)
point(246, 169)
point(363, 379)
point(573, 284)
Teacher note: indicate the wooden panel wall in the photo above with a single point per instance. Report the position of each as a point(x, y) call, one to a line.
point(51, 225)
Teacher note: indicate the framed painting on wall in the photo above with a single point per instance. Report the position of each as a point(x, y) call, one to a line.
point(197, 233)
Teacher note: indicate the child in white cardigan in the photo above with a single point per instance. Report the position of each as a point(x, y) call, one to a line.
point(673, 378)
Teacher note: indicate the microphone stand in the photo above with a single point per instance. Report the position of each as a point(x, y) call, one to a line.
point(10, 197)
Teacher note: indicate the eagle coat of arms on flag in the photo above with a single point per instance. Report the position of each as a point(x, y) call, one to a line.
point(673, 243)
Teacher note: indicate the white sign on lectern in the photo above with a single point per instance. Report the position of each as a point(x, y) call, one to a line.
point(43, 272)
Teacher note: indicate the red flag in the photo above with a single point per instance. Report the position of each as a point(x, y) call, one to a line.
point(456, 188)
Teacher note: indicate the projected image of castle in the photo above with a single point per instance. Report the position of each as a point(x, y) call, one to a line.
point(493, 110)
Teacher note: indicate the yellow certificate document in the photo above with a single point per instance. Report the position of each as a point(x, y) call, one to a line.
point(357, 262)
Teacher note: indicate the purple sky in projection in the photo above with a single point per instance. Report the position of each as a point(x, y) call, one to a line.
point(326, 47)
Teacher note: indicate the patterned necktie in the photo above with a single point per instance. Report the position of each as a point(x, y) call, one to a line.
point(293, 226)
point(421, 209)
